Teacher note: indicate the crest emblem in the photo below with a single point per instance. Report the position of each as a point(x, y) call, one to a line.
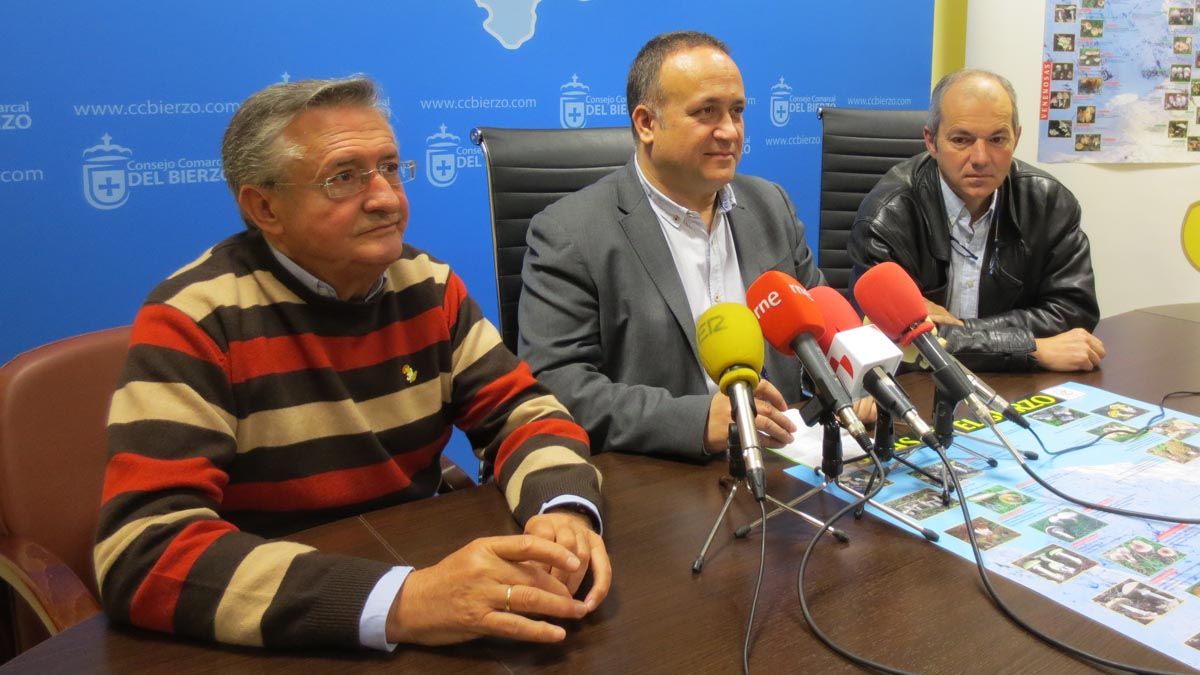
point(781, 99)
point(572, 104)
point(105, 184)
point(441, 155)
point(779, 112)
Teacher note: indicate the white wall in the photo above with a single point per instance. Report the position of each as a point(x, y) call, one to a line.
point(1132, 213)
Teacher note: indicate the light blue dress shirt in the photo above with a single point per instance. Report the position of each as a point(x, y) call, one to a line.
point(968, 243)
point(705, 259)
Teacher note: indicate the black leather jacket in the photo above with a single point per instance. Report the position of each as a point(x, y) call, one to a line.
point(1037, 269)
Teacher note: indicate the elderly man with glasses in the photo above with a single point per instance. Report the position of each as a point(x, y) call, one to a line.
point(308, 369)
point(994, 244)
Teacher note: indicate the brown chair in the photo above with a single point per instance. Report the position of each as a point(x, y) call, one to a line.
point(53, 411)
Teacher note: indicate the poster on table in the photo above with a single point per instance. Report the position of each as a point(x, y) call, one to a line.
point(1138, 577)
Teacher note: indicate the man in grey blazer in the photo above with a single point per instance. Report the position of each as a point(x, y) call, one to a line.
point(616, 274)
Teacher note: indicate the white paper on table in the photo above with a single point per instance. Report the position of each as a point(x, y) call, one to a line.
point(805, 447)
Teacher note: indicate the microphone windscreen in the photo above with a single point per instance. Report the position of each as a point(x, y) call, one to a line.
point(784, 309)
point(838, 313)
point(730, 341)
point(891, 298)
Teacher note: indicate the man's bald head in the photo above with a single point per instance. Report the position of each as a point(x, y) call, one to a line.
point(971, 82)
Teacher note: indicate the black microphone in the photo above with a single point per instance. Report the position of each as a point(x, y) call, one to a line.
point(993, 400)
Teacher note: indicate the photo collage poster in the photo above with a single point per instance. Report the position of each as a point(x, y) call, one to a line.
point(1120, 82)
point(1138, 577)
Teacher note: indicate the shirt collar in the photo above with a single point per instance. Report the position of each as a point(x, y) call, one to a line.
point(314, 284)
point(955, 205)
point(725, 199)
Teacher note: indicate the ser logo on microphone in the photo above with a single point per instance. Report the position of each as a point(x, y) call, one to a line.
point(707, 327)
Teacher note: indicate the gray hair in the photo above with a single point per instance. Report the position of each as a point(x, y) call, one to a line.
point(643, 83)
point(254, 151)
point(939, 91)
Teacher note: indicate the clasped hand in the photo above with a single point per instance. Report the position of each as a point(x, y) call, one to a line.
point(466, 595)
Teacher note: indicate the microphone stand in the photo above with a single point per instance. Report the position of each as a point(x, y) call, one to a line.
point(1019, 455)
point(943, 418)
point(830, 472)
point(885, 451)
point(943, 424)
point(734, 480)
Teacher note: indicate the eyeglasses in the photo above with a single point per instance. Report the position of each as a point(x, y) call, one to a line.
point(350, 182)
point(961, 249)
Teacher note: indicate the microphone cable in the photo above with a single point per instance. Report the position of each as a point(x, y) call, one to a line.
point(1008, 612)
point(1101, 507)
point(762, 558)
point(812, 624)
point(1162, 412)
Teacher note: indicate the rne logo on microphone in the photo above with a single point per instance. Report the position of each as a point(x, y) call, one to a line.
point(763, 306)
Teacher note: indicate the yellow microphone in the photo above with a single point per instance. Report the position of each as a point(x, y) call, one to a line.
point(731, 345)
point(731, 348)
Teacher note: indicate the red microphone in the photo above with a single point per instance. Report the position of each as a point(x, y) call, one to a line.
point(838, 313)
point(785, 310)
point(894, 303)
point(792, 322)
point(891, 298)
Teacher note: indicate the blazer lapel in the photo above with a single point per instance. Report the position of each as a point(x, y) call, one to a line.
point(748, 234)
point(646, 239)
point(754, 258)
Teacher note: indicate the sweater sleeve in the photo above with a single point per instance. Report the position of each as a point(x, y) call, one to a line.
point(165, 560)
point(523, 436)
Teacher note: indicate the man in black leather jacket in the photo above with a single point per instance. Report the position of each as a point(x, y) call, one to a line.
point(993, 243)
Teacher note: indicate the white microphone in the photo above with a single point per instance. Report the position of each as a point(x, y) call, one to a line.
point(864, 359)
point(855, 352)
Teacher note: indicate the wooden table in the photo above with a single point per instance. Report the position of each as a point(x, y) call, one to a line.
point(1187, 311)
point(888, 594)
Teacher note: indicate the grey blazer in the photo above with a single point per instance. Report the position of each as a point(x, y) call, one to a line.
point(604, 321)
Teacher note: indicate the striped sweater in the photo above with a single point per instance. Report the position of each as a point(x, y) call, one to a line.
point(251, 407)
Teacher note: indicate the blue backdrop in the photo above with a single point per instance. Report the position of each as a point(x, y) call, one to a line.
point(111, 116)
